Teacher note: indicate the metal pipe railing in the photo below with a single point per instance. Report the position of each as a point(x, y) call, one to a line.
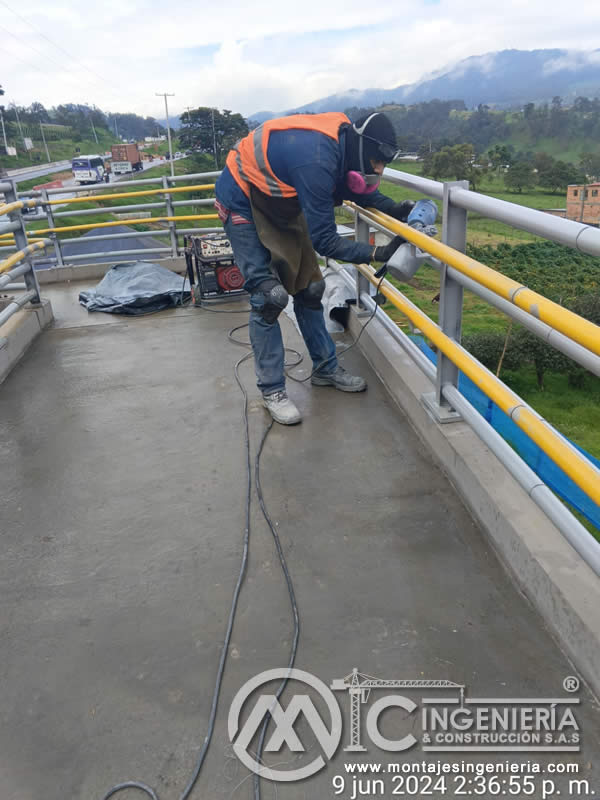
point(545, 332)
point(561, 319)
point(9, 276)
point(573, 464)
point(545, 499)
point(7, 228)
point(102, 186)
point(17, 205)
point(17, 257)
point(109, 236)
point(142, 221)
point(16, 305)
point(577, 235)
point(108, 210)
point(143, 193)
point(119, 253)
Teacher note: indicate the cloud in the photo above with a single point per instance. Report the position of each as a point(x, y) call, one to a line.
point(572, 60)
point(263, 55)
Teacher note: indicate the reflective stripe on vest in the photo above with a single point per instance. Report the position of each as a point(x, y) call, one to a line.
point(248, 162)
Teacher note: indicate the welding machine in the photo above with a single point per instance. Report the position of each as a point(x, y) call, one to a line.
point(211, 269)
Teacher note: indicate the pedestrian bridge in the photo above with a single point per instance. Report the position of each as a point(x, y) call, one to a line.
point(419, 545)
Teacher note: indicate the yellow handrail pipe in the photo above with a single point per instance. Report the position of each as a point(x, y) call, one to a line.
point(17, 257)
point(16, 205)
point(141, 193)
point(144, 220)
point(584, 474)
point(561, 319)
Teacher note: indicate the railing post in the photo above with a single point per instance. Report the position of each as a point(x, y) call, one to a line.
point(51, 224)
point(20, 235)
point(171, 213)
point(361, 234)
point(454, 234)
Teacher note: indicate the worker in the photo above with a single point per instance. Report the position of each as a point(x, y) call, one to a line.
point(276, 199)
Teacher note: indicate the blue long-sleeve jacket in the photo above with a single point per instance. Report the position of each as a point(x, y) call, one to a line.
point(313, 163)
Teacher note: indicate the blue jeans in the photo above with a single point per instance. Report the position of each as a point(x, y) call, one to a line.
point(254, 262)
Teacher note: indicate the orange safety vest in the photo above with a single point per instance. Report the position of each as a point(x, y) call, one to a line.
point(248, 162)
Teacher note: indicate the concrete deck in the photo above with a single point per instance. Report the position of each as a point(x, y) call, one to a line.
point(122, 491)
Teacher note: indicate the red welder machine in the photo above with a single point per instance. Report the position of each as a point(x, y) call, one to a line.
point(211, 270)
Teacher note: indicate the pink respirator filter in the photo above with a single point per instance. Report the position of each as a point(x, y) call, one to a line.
point(357, 183)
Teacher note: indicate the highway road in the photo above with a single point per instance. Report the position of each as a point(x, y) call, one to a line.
point(24, 174)
point(86, 244)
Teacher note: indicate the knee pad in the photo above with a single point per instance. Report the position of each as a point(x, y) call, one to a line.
point(276, 299)
point(311, 296)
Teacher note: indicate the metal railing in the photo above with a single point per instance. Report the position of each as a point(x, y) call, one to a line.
point(567, 332)
point(13, 266)
point(50, 200)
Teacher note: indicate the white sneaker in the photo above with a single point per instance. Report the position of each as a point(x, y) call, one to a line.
point(281, 408)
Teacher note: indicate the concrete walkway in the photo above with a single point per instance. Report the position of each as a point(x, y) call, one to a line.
point(122, 487)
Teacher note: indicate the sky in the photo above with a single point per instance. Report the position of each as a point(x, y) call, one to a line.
point(264, 55)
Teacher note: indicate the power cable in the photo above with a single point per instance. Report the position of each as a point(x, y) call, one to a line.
point(242, 573)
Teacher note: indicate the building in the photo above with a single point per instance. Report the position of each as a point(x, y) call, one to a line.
point(583, 203)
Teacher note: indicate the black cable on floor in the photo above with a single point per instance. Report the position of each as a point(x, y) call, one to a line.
point(242, 573)
point(236, 593)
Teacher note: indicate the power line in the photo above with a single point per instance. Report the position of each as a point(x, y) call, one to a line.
point(30, 47)
point(59, 47)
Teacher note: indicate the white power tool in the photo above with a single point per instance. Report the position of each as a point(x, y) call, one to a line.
point(407, 259)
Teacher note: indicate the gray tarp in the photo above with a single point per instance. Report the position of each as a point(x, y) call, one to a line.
point(140, 287)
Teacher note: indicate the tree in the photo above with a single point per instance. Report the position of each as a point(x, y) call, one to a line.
point(501, 155)
point(454, 162)
point(589, 163)
point(519, 176)
point(558, 175)
point(542, 161)
point(208, 130)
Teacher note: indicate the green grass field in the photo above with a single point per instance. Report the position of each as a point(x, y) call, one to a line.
point(59, 149)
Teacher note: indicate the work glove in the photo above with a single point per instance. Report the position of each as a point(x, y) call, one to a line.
point(401, 210)
point(384, 252)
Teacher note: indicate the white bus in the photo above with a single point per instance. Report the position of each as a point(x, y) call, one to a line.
point(88, 169)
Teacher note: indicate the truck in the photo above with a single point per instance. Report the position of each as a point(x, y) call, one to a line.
point(125, 158)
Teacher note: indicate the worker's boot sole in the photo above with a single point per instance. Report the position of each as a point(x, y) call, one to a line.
point(317, 380)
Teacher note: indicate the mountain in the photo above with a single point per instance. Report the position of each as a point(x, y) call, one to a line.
point(174, 121)
point(504, 79)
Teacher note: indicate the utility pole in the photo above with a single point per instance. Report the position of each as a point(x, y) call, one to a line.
point(214, 140)
point(19, 124)
point(188, 109)
point(116, 131)
point(165, 95)
point(93, 129)
point(44, 141)
point(3, 130)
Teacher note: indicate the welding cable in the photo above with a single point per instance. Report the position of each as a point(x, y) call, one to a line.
point(345, 350)
point(236, 594)
point(292, 594)
point(242, 573)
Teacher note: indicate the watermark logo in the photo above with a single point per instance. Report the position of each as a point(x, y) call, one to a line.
point(438, 723)
point(283, 720)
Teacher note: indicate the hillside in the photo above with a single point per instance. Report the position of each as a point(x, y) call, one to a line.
point(503, 79)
